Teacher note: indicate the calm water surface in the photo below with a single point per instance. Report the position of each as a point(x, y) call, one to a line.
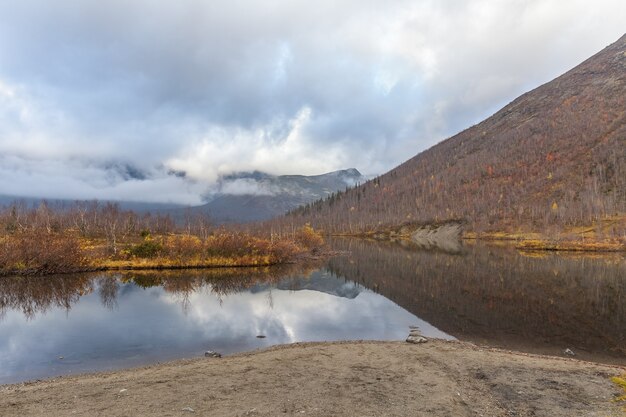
point(497, 296)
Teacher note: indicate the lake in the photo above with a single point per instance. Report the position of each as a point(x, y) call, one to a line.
point(538, 302)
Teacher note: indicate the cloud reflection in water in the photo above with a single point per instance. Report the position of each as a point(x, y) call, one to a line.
point(121, 324)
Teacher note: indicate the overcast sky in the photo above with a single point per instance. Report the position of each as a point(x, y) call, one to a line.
point(102, 99)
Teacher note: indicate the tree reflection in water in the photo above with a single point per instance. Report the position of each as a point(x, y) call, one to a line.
point(36, 295)
point(542, 302)
point(33, 295)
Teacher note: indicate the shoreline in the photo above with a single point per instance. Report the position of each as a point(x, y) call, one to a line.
point(530, 243)
point(543, 244)
point(163, 265)
point(135, 267)
point(335, 378)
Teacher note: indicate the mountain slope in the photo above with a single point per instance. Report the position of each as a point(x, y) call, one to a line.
point(136, 206)
point(259, 196)
point(552, 159)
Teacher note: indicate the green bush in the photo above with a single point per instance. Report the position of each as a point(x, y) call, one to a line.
point(146, 249)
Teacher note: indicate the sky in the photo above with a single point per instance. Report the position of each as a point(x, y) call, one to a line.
point(155, 101)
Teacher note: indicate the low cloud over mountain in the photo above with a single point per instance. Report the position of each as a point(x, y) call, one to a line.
point(258, 196)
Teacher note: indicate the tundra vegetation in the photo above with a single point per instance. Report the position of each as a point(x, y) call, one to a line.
point(92, 236)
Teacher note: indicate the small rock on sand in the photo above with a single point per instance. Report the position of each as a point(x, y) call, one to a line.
point(212, 354)
point(416, 339)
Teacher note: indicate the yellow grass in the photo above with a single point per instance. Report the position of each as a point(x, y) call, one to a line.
point(620, 381)
point(574, 246)
point(169, 263)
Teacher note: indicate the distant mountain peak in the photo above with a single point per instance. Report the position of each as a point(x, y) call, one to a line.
point(260, 175)
point(253, 175)
point(350, 172)
point(256, 195)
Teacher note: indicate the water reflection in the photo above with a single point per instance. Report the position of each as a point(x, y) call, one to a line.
point(531, 302)
point(68, 324)
point(497, 296)
point(36, 295)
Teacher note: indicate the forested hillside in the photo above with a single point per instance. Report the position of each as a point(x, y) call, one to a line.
point(551, 161)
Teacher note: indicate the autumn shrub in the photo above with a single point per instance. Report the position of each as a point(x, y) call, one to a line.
point(308, 238)
point(258, 246)
point(184, 247)
point(283, 250)
point(37, 252)
point(229, 244)
point(240, 245)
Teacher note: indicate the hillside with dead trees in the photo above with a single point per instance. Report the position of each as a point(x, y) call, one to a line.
point(552, 161)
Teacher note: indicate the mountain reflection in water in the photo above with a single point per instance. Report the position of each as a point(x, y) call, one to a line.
point(534, 302)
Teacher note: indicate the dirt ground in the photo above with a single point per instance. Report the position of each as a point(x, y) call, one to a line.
point(437, 378)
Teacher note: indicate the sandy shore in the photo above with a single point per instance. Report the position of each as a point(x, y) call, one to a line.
point(328, 379)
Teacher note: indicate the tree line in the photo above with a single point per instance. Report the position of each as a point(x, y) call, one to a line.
point(47, 238)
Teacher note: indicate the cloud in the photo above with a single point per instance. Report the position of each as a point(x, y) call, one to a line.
point(89, 180)
point(278, 147)
point(246, 186)
point(209, 88)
